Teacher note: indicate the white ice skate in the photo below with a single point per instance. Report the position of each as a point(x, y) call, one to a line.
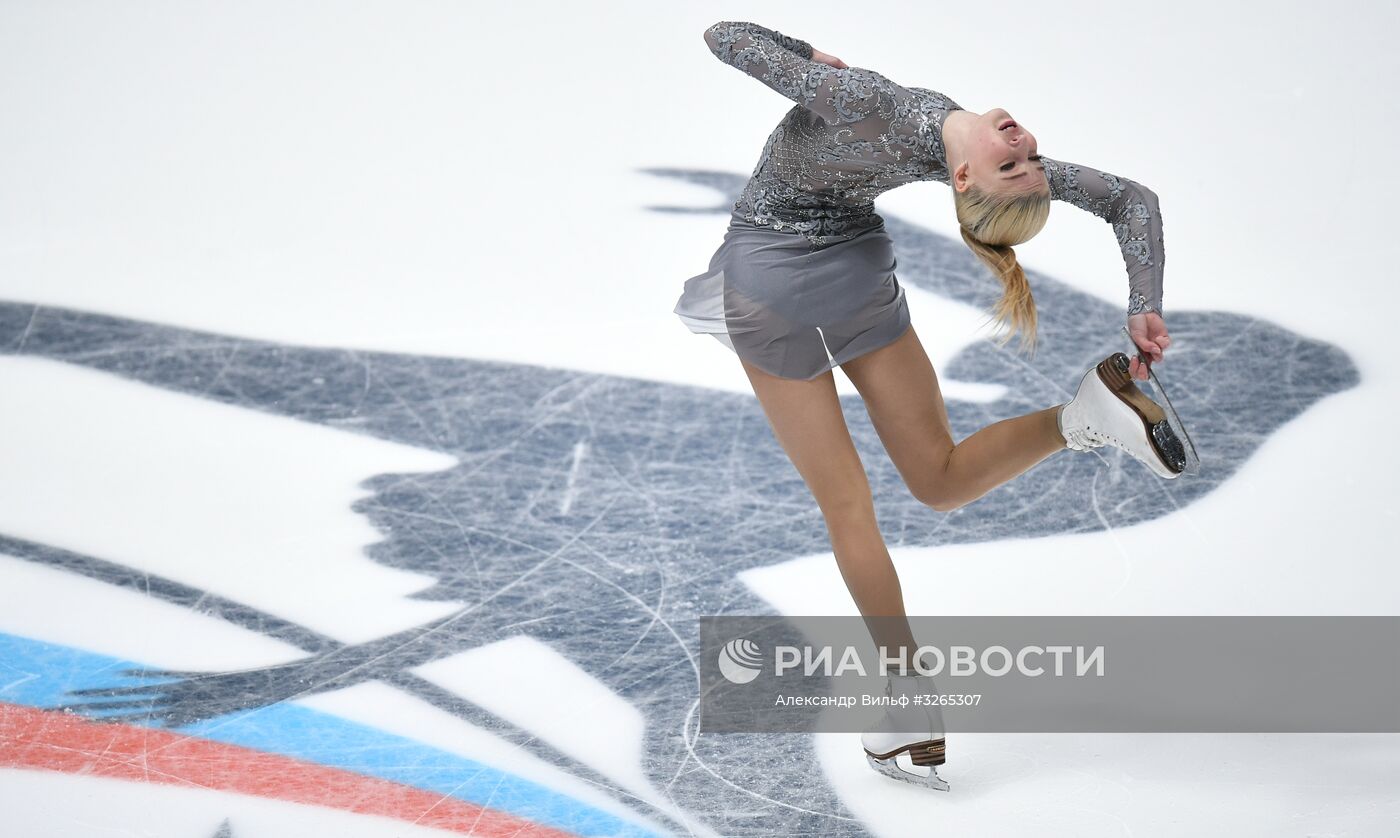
point(914, 732)
point(1110, 409)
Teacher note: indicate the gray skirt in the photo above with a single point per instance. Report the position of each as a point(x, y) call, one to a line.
point(794, 309)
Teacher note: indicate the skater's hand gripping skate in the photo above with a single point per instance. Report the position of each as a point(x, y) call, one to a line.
point(1149, 333)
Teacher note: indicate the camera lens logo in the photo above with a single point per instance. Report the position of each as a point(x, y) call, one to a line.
point(739, 661)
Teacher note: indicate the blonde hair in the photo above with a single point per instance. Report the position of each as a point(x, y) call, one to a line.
point(990, 223)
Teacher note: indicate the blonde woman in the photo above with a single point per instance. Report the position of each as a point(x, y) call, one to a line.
point(804, 281)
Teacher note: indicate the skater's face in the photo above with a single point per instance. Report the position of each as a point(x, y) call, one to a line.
point(1001, 156)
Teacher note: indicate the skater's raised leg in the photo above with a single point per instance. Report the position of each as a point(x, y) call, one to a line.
point(901, 394)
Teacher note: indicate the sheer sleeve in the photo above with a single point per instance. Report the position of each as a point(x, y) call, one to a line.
point(1132, 210)
point(784, 63)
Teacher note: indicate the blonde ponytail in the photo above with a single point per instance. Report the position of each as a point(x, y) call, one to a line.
point(990, 224)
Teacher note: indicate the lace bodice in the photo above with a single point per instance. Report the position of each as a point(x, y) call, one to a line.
point(855, 134)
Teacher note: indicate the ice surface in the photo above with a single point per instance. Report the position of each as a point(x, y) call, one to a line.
point(316, 382)
point(275, 495)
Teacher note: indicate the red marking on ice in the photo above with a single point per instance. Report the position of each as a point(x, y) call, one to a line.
point(52, 741)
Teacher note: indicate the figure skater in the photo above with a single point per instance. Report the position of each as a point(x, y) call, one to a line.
point(804, 281)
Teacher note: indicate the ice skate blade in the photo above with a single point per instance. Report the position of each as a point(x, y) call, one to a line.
point(1192, 460)
point(891, 769)
point(1113, 372)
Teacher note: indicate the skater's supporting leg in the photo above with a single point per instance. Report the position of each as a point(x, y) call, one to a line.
point(807, 421)
point(901, 394)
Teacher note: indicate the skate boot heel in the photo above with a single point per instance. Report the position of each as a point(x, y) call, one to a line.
point(931, 752)
point(928, 752)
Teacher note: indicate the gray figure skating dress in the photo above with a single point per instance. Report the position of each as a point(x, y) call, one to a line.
point(804, 279)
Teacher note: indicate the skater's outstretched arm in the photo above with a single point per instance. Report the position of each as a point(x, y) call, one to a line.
point(1137, 221)
point(784, 63)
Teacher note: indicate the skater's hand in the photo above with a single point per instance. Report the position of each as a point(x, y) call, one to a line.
point(818, 55)
point(1149, 332)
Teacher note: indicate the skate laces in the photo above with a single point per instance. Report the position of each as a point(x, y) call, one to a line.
point(1082, 440)
point(1085, 438)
